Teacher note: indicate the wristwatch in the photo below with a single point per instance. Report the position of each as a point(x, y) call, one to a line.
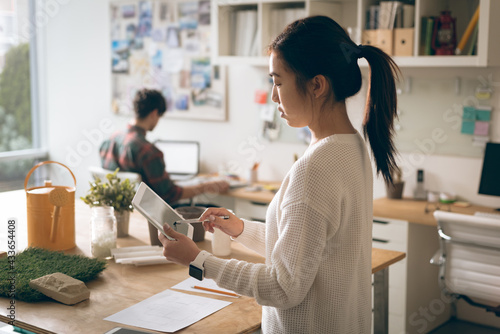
point(196, 268)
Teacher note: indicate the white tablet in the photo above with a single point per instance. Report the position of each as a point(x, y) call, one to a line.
point(158, 212)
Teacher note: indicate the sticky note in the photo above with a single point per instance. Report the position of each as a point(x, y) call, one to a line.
point(483, 115)
point(481, 128)
point(260, 96)
point(469, 113)
point(468, 127)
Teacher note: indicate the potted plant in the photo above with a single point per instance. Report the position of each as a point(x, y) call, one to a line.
point(395, 190)
point(115, 193)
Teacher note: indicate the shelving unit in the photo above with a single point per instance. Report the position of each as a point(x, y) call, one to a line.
point(351, 14)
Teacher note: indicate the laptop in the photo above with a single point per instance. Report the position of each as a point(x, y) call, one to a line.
point(182, 158)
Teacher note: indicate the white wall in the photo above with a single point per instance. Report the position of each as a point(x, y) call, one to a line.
point(77, 87)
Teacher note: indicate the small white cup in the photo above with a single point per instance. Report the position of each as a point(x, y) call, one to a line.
point(221, 243)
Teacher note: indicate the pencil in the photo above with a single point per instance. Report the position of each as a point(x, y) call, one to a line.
point(468, 32)
point(216, 291)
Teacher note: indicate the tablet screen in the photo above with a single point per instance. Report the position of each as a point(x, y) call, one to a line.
point(156, 210)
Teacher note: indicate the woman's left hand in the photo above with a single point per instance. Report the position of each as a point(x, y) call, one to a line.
point(182, 250)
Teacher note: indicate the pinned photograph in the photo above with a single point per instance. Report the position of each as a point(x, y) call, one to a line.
point(184, 79)
point(204, 12)
point(130, 32)
point(200, 73)
point(214, 99)
point(191, 41)
point(182, 102)
point(173, 39)
point(199, 97)
point(145, 19)
point(158, 35)
point(120, 53)
point(188, 15)
point(165, 12)
point(128, 11)
point(156, 60)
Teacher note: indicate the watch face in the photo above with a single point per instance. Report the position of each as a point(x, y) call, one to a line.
point(196, 272)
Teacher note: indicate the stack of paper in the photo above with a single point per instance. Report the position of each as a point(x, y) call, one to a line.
point(139, 255)
point(168, 311)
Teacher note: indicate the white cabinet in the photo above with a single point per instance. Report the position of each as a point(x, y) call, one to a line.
point(351, 14)
point(416, 304)
point(392, 234)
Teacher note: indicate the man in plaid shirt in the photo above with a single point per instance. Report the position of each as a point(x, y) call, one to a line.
point(131, 152)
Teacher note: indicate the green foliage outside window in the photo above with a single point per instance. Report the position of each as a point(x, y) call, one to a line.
point(15, 100)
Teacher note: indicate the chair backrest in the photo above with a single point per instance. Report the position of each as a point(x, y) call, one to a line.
point(101, 173)
point(470, 251)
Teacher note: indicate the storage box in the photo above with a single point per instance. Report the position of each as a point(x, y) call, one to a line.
point(381, 38)
point(403, 42)
point(369, 37)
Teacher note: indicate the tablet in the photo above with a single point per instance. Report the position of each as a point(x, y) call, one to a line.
point(158, 212)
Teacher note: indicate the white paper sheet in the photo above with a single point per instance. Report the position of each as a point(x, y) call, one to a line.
point(189, 283)
point(168, 311)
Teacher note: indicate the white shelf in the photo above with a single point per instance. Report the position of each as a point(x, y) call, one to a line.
point(351, 15)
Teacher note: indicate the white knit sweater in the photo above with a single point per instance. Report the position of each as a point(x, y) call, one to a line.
point(317, 244)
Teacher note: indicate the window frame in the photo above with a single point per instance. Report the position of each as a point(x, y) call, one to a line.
point(37, 151)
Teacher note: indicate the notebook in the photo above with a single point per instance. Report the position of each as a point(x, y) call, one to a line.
point(182, 158)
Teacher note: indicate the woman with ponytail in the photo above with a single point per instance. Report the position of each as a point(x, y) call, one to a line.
point(317, 239)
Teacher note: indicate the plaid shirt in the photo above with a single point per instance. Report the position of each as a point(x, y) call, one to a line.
point(131, 152)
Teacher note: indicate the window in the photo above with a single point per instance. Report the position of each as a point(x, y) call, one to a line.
point(19, 125)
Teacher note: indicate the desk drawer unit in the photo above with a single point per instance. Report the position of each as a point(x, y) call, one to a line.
point(250, 210)
point(392, 234)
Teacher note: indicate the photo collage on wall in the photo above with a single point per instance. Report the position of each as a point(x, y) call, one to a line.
point(165, 45)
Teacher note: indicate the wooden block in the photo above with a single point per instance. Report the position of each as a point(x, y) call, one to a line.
point(403, 42)
point(3, 254)
point(61, 287)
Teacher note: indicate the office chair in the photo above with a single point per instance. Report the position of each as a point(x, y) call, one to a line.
point(101, 173)
point(469, 259)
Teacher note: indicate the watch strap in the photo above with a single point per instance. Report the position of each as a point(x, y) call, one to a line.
point(199, 261)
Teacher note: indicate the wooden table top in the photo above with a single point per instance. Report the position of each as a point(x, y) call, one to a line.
point(413, 211)
point(121, 286)
point(261, 194)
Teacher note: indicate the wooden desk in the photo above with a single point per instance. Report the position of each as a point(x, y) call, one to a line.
point(413, 211)
point(121, 286)
point(261, 196)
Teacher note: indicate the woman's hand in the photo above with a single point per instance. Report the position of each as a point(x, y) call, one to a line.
point(232, 226)
point(182, 250)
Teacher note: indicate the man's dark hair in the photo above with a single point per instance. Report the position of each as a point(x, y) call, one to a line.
point(147, 100)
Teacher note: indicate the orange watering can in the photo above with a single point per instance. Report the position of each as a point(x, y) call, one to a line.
point(51, 213)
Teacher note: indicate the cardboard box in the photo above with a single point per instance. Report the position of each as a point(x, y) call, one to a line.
point(381, 38)
point(369, 37)
point(403, 42)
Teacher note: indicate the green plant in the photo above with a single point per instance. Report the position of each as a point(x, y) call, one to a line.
point(113, 192)
point(36, 262)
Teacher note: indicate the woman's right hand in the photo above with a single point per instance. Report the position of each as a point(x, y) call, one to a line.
point(232, 226)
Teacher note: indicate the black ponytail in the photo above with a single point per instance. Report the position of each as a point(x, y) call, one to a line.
point(381, 109)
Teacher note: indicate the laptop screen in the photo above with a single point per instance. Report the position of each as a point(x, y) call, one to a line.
point(181, 157)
